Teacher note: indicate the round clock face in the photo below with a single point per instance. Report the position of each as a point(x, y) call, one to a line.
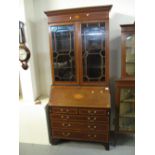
point(22, 54)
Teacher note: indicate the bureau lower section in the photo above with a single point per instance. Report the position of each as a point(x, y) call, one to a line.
point(83, 124)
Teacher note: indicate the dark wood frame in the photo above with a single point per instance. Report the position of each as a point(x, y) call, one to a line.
point(79, 16)
point(125, 30)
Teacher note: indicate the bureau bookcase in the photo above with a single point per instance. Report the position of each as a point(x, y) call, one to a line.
point(79, 104)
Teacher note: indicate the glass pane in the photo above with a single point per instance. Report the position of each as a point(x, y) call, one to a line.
point(63, 52)
point(126, 124)
point(130, 55)
point(127, 109)
point(93, 51)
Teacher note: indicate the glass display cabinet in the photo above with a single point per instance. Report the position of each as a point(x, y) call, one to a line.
point(79, 104)
point(128, 50)
point(125, 106)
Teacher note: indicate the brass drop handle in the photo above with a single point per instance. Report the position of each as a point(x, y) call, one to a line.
point(93, 119)
point(92, 136)
point(94, 126)
point(63, 117)
point(89, 111)
point(66, 134)
point(66, 125)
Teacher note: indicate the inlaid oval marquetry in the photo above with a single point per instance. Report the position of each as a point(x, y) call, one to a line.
point(78, 96)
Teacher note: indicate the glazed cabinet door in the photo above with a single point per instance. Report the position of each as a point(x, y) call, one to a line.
point(125, 106)
point(63, 54)
point(127, 109)
point(93, 49)
point(130, 55)
point(128, 50)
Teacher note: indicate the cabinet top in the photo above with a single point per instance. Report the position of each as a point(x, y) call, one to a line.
point(79, 10)
point(127, 27)
point(71, 96)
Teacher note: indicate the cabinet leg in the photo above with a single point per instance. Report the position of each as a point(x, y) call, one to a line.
point(106, 146)
point(115, 139)
point(54, 141)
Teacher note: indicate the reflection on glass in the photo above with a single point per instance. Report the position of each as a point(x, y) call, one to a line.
point(93, 51)
point(130, 55)
point(63, 52)
point(127, 108)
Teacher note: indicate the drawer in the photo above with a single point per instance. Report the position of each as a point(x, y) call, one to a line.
point(94, 127)
point(100, 137)
point(93, 111)
point(64, 110)
point(79, 17)
point(81, 118)
point(66, 134)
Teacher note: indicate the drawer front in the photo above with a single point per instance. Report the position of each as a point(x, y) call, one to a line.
point(94, 127)
point(78, 17)
point(88, 118)
point(64, 110)
point(90, 111)
point(66, 134)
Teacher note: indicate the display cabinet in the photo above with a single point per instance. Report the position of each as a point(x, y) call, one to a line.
point(79, 104)
point(128, 50)
point(125, 106)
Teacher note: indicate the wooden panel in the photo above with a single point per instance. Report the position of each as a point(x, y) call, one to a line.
point(125, 83)
point(80, 96)
point(81, 118)
point(128, 28)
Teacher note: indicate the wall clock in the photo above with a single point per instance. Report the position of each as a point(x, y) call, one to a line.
point(24, 52)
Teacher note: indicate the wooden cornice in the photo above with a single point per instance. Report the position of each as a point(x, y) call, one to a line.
point(79, 10)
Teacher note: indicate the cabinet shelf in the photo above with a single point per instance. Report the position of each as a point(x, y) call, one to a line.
point(128, 101)
point(128, 115)
point(126, 130)
point(130, 63)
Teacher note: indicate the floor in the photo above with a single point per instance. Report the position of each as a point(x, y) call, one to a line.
point(125, 146)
